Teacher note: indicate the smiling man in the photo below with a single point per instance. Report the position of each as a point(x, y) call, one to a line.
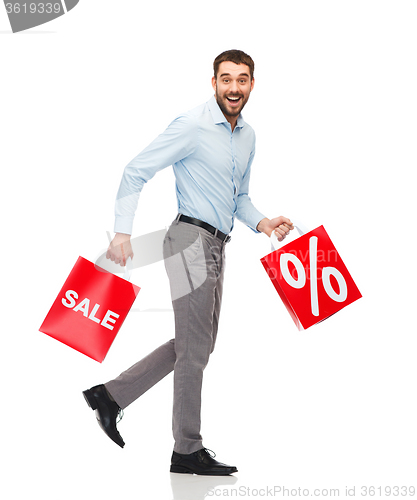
point(211, 149)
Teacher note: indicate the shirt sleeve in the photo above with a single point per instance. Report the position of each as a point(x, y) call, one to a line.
point(174, 144)
point(246, 211)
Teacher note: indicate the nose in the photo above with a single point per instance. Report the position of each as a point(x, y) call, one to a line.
point(234, 87)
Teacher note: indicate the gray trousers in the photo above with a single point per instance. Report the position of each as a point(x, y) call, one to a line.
point(194, 260)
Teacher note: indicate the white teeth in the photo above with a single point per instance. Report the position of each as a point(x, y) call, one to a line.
point(234, 98)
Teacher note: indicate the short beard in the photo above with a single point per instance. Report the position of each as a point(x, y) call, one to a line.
point(225, 111)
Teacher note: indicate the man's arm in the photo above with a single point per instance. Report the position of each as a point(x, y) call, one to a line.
point(176, 142)
point(246, 211)
point(248, 214)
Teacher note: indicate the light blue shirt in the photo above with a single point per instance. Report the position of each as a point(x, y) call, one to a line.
point(211, 165)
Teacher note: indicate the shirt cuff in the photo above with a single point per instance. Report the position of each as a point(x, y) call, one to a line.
point(254, 220)
point(123, 225)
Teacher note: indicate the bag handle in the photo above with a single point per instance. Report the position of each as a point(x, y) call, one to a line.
point(128, 269)
point(275, 244)
point(129, 266)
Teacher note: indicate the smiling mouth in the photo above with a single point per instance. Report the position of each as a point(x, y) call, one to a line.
point(234, 100)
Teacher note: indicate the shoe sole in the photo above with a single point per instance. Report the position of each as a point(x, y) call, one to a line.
point(183, 470)
point(180, 470)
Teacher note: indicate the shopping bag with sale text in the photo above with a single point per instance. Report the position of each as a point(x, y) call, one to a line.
point(310, 277)
point(90, 309)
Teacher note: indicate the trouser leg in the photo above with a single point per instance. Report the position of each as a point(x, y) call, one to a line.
point(196, 322)
point(135, 381)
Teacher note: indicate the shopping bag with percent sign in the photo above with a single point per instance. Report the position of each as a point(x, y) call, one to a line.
point(310, 277)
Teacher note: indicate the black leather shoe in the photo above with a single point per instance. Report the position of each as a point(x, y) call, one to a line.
point(201, 463)
point(107, 411)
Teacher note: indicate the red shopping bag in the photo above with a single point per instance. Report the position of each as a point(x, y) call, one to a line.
point(311, 278)
point(90, 309)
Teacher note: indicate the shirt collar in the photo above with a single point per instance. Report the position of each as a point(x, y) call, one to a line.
point(218, 116)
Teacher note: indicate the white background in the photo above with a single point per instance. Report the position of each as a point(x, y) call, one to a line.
point(334, 108)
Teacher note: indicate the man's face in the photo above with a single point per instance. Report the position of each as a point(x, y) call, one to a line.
point(232, 86)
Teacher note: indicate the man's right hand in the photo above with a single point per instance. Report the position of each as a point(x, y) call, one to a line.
point(120, 249)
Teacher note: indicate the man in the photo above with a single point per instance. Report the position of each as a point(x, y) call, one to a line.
point(211, 149)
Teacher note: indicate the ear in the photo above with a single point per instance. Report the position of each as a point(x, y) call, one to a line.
point(214, 83)
point(252, 84)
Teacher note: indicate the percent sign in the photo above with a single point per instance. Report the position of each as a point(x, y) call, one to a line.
point(302, 278)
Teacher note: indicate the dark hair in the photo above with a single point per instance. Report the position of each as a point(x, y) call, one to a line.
point(234, 56)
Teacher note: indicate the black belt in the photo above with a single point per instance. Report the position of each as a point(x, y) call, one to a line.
point(190, 220)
